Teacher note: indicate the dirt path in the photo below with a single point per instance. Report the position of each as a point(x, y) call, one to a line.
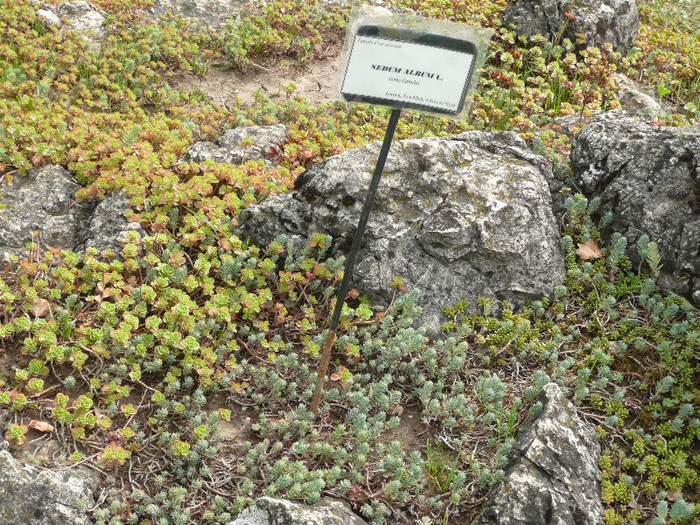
point(314, 81)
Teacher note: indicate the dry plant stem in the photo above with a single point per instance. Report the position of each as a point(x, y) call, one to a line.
point(322, 369)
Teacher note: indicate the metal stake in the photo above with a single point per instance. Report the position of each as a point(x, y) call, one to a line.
point(350, 263)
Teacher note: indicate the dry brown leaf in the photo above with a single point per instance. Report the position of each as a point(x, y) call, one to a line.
point(41, 307)
point(589, 250)
point(41, 426)
point(672, 495)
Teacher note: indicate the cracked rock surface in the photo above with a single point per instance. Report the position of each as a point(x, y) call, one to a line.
point(270, 511)
point(600, 21)
point(648, 177)
point(31, 496)
point(553, 478)
point(457, 218)
point(41, 207)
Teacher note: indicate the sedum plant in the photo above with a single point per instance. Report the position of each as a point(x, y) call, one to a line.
point(145, 360)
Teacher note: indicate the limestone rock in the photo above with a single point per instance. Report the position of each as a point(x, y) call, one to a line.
point(43, 201)
point(108, 228)
point(44, 497)
point(635, 100)
point(648, 178)
point(554, 477)
point(229, 148)
point(601, 21)
point(457, 218)
point(269, 511)
point(80, 15)
point(83, 17)
point(201, 13)
point(49, 17)
point(4, 419)
point(215, 14)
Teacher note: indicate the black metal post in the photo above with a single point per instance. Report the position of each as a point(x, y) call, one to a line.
point(350, 263)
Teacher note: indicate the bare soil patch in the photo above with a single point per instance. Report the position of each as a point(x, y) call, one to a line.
point(314, 81)
point(411, 433)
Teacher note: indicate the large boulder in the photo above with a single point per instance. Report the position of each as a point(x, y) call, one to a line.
point(240, 145)
point(44, 201)
point(44, 497)
point(600, 21)
point(648, 178)
point(270, 511)
point(457, 218)
point(553, 477)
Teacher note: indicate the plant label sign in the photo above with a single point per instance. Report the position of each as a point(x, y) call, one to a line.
point(404, 68)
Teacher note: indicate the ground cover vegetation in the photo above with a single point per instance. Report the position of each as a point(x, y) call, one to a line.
point(138, 362)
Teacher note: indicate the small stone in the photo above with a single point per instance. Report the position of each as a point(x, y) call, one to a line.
point(634, 100)
point(108, 228)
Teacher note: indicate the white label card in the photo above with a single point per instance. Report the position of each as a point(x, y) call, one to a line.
point(407, 74)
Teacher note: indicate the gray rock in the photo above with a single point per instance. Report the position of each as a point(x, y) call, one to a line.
point(201, 13)
point(269, 511)
point(229, 148)
point(634, 99)
point(44, 497)
point(215, 14)
point(457, 218)
point(648, 178)
point(80, 16)
point(50, 18)
point(84, 17)
point(554, 477)
point(4, 419)
point(107, 229)
point(43, 200)
point(600, 21)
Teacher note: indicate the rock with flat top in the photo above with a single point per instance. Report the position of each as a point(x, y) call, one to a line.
point(240, 145)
